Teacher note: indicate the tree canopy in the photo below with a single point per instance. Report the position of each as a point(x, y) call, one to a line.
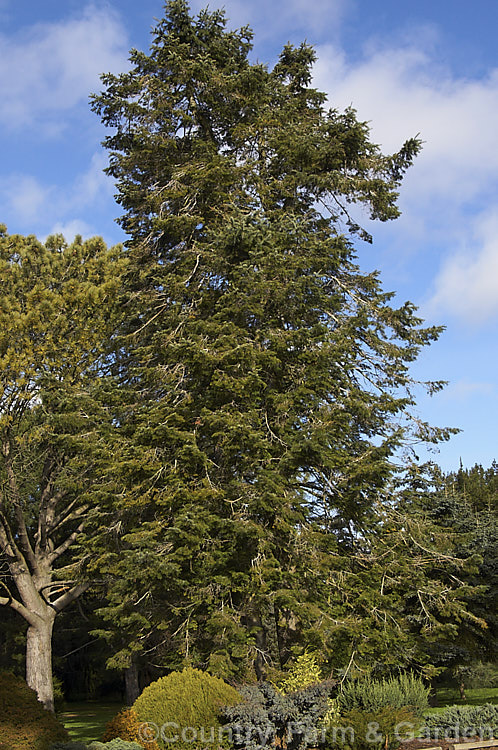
point(57, 314)
point(264, 382)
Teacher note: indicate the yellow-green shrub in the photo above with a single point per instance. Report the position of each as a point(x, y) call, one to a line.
point(304, 672)
point(126, 726)
point(186, 699)
point(24, 723)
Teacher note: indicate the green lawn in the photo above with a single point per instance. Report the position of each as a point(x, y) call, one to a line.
point(450, 696)
point(86, 721)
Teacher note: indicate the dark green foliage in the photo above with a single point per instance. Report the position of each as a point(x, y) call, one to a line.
point(368, 694)
point(463, 721)
point(268, 717)
point(384, 728)
point(24, 723)
point(188, 699)
point(459, 512)
point(264, 382)
point(69, 746)
point(483, 675)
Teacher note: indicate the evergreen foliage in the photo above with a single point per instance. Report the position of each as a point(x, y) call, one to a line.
point(304, 672)
point(58, 311)
point(190, 700)
point(385, 728)
point(263, 378)
point(24, 723)
point(116, 744)
point(126, 726)
point(368, 694)
point(268, 717)
point(463, 721)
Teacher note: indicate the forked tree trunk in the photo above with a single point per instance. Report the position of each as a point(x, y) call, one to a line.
point(39, 660)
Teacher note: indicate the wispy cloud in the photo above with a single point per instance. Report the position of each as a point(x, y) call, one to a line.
point(467, 285)
point(47, 69)
point(270, 20)
point(404, 92)
point(26, 200)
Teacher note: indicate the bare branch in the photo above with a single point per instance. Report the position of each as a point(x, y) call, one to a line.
point(8, 543)
point(17, 505)
point(70, 596)
point(67, 543)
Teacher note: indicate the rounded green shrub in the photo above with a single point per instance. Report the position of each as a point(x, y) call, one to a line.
point(24, 723)
point(187, 705)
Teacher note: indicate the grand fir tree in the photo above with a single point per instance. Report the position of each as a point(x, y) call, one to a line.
point(264, 381)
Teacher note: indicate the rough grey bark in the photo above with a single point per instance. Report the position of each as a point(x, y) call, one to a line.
point(39, 660)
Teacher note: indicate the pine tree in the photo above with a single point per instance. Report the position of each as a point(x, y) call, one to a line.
point(57, 314)
point(264, 378)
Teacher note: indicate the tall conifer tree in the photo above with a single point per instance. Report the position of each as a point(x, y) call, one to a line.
point(265, 381)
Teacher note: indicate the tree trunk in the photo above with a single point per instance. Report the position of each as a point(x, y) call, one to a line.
point(132, 685)
point(461, 687)
point(39, 661)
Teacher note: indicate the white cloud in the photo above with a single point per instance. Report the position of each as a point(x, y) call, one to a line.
point(403, 91)
point(25, 197)
point(70, 229)
point(92, 184)
point(270, 20)
point(26, 200)
point(467, 285)
point(50, 68)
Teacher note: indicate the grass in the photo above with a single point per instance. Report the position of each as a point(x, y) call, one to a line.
point(450, 696)
point(86, 721)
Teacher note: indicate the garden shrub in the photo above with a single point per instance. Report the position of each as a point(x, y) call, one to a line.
point(59, 699)
point(483, 675)
point(116, 744)
point(397, 692)
point(190, 699)
point(126, 726)
point(463, 721)
point(384, 728)
point(268, 717)
point(24, 723)
point(303, 673)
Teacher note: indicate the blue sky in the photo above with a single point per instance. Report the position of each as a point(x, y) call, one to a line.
point(428, 68)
